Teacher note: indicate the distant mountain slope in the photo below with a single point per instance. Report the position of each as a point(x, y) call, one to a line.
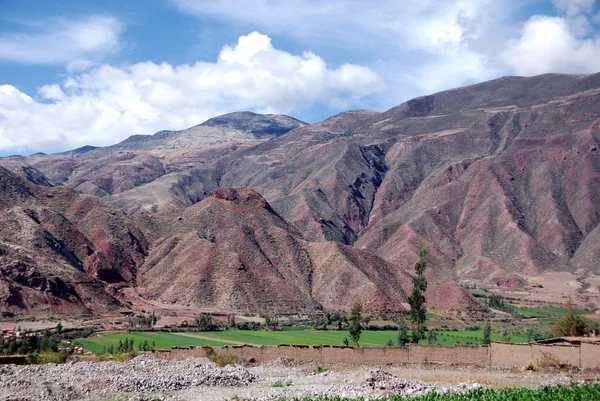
point(497, 179)
point(233, 127)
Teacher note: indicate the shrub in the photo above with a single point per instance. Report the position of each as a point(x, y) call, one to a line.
point(278, 383)
point(51, 357)
point(226, 358)
point(32, 358)
point(320, 369)
point(124, 357)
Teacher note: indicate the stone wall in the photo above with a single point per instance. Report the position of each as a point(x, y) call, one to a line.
point(497, 354)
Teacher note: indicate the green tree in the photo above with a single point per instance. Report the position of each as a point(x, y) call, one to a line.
point(355, 322)
point(487, 333)
point(204, 322)
point(571, 324)
point(431, 336)
point(402, 335)
point(416, 300)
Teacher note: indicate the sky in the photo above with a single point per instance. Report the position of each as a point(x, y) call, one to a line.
point(75, 73)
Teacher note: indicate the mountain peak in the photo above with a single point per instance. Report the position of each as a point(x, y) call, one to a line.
point(261, 125)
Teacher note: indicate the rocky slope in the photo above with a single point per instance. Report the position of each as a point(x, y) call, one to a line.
point(61, 251)
point(233, 252)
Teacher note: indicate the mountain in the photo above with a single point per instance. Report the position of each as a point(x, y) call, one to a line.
point(500, 181)
point(233, 252)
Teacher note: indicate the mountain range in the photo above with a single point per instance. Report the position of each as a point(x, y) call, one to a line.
point(500, 181)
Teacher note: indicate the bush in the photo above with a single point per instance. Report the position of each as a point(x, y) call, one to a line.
point(51, 357)
point(124, 357)
point(320, 369)
point(226, 358)
point(32, 358)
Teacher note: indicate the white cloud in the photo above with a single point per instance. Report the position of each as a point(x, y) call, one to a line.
point(574, 7)
point(61, 41)
point(398, 36)
point(106, 104)
point(548, 44)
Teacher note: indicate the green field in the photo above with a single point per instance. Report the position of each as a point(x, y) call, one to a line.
point(304, 336)
point(546, 312)
point(99, 344)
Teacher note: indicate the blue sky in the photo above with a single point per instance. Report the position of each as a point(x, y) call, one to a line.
point(95, 72)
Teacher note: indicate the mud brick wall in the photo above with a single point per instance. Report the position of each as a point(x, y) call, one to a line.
point(590, 355)
point(511, 355)
point(520, 355)
point(565, 354)
point(498, 354)
point(470, 355)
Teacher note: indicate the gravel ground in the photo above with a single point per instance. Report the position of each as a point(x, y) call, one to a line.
point(149, 378)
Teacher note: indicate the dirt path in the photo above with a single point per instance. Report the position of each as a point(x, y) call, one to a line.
point(232, 342)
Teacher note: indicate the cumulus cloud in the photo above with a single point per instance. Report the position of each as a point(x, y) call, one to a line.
point(549, 44)
point(106, 104)
point(61, 41)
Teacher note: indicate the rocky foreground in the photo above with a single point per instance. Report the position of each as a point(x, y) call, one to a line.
point(147, 377)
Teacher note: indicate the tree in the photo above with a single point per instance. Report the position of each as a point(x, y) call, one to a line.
point(431, 336)
point(204, 322)
point(571, 324)
point(416, 300)
point(59, 328)
point(402, 336)
point(487, 334)
point(355, 322)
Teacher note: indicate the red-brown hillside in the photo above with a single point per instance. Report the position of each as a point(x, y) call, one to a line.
point(233, 252)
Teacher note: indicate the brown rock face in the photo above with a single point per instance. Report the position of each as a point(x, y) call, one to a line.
point(233, 252)
point(59, 249)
